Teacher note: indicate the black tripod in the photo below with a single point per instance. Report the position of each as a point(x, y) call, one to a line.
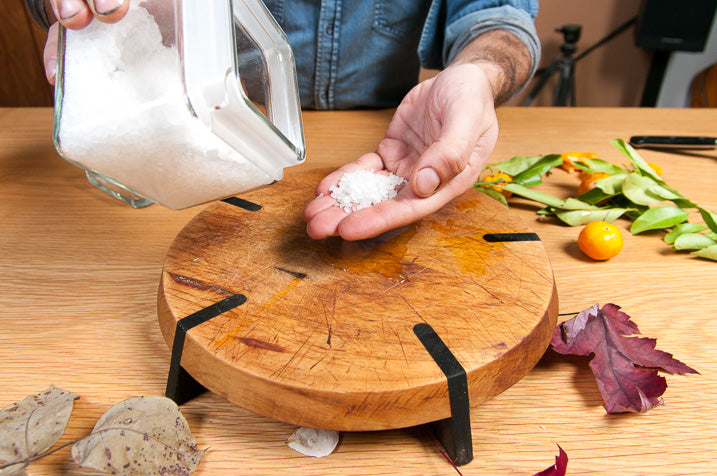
point(565, 66)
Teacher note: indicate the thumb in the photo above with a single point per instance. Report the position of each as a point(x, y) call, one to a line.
point(49, 54)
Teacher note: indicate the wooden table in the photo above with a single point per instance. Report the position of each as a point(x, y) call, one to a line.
point(78, 310)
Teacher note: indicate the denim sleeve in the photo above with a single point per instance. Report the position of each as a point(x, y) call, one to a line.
point(452, 24)
point(36, 8)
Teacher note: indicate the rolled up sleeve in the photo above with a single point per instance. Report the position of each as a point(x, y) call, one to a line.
point(451, 25)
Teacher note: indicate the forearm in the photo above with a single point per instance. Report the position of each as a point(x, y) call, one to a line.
point(504, 58)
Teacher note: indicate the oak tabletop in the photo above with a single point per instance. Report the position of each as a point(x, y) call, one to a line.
point(78, 310)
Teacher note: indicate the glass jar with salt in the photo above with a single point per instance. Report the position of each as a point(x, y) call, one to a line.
point(180, 103)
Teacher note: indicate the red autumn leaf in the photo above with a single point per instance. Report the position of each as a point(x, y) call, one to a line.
point(625, 366)
point(560, 466)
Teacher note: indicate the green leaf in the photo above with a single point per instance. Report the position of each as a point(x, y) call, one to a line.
point(492, 193)
point(611, 185)
point(710, 252)
point(640, 165)
point(517, 164)
point(682, 229)
point(583, 217)
point(710, 218)
point(659, 217)
point(594, 196)
point(575, 204)
point(534, 195)
point(693, 241)
point(534, 173)
point(641, 190)
point(598, 165)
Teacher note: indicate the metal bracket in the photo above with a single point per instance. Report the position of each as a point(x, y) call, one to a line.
point(454, 433)
point(182, 387)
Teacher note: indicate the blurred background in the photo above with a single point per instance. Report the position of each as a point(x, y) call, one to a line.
point(636, 53)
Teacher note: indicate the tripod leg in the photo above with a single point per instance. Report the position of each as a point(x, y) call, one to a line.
point(565, 85)
point(560, 89)
point(542, 82)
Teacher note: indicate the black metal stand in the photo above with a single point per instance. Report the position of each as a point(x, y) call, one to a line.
point(454, 433)
point(182, 387)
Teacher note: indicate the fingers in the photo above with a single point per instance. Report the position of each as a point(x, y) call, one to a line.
point(109, 11)
point(74, 14)
point(49, 54)
point(463, 124)
point(77, 14)
point(402, 210)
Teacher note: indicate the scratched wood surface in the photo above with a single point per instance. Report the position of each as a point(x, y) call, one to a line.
point(78, 309)
point(325, 338)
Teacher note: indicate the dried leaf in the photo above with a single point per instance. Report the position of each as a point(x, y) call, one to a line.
point(312, 442)
point(560, 466)
point(625, 366)
point(30, 427)
point(140, 435)
point(17, 469)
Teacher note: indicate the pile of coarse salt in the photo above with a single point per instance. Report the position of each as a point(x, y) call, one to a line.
point(124, 114)
point(365, 188)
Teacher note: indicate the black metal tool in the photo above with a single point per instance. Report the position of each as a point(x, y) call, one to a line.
point(673, 142)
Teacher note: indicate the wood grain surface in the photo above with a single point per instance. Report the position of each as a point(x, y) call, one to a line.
point(78, 309)
point(326, 337)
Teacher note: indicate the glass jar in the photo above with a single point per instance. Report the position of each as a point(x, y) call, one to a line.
point(180, 103)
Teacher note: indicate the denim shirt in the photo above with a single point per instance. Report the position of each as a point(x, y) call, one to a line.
point(367, 53)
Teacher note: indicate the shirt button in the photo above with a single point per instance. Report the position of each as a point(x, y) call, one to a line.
point(330, 30)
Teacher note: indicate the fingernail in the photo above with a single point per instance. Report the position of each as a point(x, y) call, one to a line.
point(69, 10)
point(107, 7)
point(51, 70)
point(427, 182)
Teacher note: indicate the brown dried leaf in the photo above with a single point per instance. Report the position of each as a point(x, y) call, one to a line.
point(140, 435)
point(30, 427)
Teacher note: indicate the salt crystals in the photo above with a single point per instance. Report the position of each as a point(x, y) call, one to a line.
point(124, 115)
point(364, 188)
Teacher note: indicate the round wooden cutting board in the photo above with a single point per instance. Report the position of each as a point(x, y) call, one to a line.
point(327, 335)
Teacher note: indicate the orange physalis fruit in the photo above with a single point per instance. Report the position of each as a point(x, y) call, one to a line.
point(501, 178)
point(600, 240)
point(656, 168)
point(569, 159)
point(588, 183)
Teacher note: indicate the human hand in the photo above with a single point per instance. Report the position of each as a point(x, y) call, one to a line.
point(439, 140)
point(76, 14)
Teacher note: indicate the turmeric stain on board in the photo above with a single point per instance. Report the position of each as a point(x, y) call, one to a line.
point(232, 335)
point(383, 254)
point(465, 240)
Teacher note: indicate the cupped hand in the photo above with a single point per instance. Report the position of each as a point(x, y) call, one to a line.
point(439, 140)
point(76, 14)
